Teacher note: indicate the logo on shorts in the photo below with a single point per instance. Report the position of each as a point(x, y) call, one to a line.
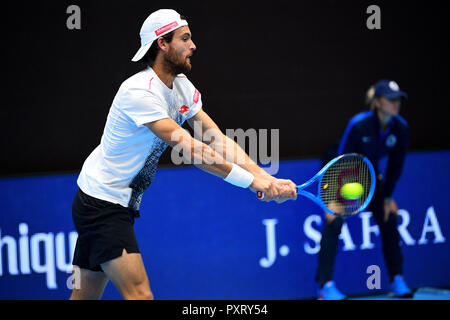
point(183, 109)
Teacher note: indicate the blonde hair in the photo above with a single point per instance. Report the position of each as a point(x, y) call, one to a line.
point(370, 97)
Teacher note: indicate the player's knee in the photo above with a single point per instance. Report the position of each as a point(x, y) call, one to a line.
point(141, 292)
point(146, 295)
point(139, 295)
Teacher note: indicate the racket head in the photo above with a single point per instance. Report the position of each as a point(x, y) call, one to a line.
point(347, 168)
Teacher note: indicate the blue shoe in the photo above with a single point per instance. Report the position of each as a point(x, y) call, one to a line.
point(329, 291)
point(399, 288)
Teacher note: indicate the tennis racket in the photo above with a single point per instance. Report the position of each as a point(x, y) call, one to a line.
point(347, 168)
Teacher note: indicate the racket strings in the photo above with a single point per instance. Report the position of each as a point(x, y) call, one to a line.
point(348, 169)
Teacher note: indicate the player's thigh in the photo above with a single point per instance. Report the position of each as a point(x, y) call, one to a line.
point(87, 284)
point(128, 274)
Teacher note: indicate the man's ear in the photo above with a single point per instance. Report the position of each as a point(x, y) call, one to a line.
point(162, 44)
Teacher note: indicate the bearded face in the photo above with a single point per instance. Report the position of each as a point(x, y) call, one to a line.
point(178, 60)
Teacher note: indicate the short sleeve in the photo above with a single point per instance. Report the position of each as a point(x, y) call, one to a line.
point(142, 106)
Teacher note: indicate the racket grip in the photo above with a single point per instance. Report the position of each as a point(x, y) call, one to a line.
point(260, 195)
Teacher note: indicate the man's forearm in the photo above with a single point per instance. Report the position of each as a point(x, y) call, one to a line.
point(202, 155)
point(232, 152)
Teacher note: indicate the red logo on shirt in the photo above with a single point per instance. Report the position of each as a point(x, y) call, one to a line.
point(183, 109)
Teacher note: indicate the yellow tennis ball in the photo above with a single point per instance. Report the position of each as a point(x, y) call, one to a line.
point(352, 191)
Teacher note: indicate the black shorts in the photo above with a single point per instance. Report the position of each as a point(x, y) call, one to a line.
point(104, 230)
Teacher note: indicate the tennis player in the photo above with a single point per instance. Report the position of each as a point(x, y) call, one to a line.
point(376, 133)
point(145, 117)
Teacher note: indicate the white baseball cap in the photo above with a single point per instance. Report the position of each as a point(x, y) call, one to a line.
point(156, 25)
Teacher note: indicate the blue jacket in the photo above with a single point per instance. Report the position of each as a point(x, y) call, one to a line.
point(363, 135)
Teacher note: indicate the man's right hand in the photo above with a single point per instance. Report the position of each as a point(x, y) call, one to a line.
point(279, 190)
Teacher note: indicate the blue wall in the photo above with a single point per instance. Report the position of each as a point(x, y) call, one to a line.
point(202, 238)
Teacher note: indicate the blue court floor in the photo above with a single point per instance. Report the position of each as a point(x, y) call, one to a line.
point(426, 293)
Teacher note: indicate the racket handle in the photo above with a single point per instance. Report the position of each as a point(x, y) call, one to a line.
point(260, 195)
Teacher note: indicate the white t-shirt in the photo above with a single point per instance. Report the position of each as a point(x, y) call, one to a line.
point(124, 164)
